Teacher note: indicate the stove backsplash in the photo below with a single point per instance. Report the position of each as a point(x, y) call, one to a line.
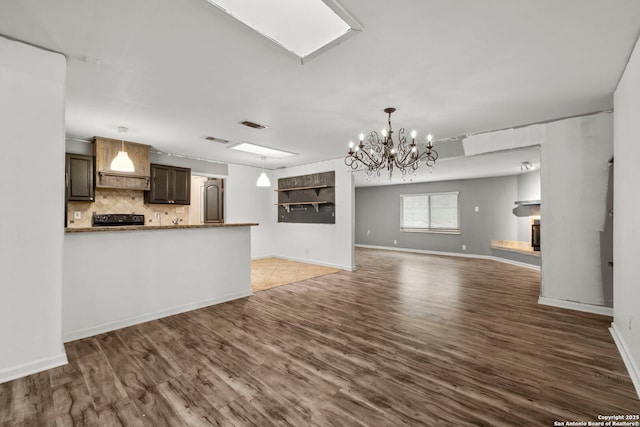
point(110, 200)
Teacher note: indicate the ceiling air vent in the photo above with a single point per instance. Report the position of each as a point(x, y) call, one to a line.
point(214, 139)
point(253, 125)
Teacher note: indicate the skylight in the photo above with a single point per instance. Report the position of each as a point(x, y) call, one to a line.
point(261, 150)
point(305, 28)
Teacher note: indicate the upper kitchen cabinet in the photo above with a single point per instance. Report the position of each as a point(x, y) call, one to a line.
point(169, 185)
point(106, 150)
point(79, 178)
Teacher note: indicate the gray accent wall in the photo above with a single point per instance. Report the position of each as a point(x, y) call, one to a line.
point(377, 211)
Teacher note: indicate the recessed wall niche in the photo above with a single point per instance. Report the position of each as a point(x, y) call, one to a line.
point(307, 199)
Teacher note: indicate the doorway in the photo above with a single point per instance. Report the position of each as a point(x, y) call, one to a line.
point(207, 200)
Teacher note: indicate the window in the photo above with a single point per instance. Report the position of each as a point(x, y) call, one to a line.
point(435, 212)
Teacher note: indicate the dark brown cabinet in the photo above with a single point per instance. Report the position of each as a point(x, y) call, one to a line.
point(79, 178)
point(169, 185)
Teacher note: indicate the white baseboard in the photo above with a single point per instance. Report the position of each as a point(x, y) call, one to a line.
point(324, 264)
point(578, 306)
point(453, 254)
point(518, 263)
point(34, 367)
point(253, 258)
point(632, 368)
point(119, 324)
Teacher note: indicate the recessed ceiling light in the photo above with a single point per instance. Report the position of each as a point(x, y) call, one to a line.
point(248, 147)
point(305, 28)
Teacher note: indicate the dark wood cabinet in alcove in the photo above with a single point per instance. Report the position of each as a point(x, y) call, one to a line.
point(169, 185)
point(79, 178)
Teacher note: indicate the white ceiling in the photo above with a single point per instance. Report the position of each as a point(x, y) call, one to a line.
point(175, 71)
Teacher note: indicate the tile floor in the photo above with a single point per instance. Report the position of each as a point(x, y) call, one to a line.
point(268, 273)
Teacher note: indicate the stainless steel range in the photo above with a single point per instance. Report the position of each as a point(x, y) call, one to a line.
point(107, 220)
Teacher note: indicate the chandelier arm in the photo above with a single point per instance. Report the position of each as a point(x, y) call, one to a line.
point(358, 157)
point(403, 163)
point(351, 162)
point(429, 154)
point(371, 159)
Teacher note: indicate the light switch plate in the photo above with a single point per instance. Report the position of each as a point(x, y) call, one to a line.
point(180, 209)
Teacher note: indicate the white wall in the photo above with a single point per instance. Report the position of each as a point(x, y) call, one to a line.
point(573, 207)
point(626, 218)
point(32, 84)
point(325, 244)
point(247, 203)
point(114, 279)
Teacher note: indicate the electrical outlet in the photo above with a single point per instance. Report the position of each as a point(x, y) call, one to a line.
point(395, 242)
point(77, 215)
point(180, 209)
point(477, 209)
point(368, 232)
point(464, 247)
point(306, 251)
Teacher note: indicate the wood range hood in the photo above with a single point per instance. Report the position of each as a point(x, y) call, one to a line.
point(105, 151)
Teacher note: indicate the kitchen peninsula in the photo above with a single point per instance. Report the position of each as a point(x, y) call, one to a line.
point(119, 276)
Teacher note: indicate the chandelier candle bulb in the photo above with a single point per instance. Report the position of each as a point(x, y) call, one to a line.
point(380, 152)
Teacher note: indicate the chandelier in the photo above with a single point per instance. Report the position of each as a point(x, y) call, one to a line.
point(380, 153)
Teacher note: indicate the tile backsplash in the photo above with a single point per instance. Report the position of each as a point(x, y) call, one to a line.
point(116, 201)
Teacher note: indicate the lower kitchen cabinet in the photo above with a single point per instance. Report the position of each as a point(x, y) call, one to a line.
point(79, 178)
point(169, 185)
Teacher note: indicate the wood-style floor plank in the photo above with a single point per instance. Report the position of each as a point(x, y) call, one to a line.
point(407, 339)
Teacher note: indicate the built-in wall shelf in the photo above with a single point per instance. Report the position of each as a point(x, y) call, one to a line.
point(287, 206)
point(297, 193)
point(317, 189)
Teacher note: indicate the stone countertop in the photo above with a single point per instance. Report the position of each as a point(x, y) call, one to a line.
point(149, 227)
point(514, 246)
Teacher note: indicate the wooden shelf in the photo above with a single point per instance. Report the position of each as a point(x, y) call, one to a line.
point(311, 187)
point(316, 188)
point(122, 174)
point(287, 206)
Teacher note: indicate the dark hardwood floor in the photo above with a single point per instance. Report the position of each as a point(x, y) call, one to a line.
point(407, 339)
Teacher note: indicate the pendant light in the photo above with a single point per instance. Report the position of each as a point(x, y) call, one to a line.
point(263, 179)
point(122, 162)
